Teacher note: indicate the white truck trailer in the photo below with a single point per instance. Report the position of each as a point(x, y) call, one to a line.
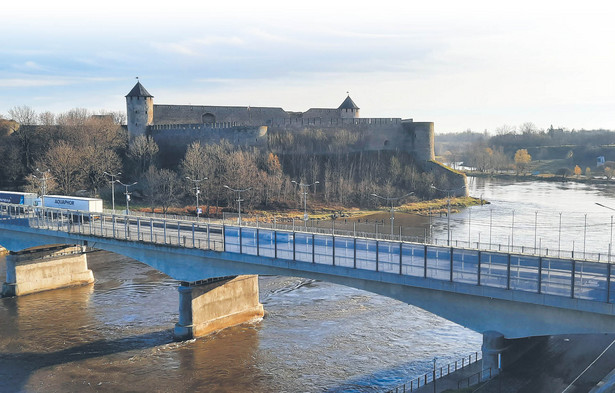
point(79, 204)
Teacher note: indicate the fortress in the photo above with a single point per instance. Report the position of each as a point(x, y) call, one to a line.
point(174, 127)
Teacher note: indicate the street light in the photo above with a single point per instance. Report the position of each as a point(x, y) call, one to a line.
point(391, 199)
point(127, 195)
point(238, 200)
point(448, 216)
point(113, 180)
point(305, 188)
point(197, 192)
point(611, 242)
point(43, 180)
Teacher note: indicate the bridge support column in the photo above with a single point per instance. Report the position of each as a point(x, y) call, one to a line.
point(211, 305)
point(42, 269)
point(494, 345)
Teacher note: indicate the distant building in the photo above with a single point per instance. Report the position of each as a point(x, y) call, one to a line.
point(600, 161)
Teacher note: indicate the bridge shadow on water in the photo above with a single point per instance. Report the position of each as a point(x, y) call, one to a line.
point(16, 369)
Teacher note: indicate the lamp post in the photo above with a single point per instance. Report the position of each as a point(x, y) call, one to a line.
point(305, 188)
point(392, 200)
point(611, 241)
point(197, 191)
point(127, 195)
point(448, 216)
point(43, 178)
point(434, 375)
point(238, 200)
point(113, 180)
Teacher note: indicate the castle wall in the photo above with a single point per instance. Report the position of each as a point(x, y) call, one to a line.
point(193, 114)
point(173, 140)
point(371, 133)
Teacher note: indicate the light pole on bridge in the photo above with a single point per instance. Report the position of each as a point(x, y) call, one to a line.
point(392, 200)
point(238, 200)
point(127, 195)
point(305, 193)
point(44, 176)
point(197, 191)
point(611, 241)
point(113, 180)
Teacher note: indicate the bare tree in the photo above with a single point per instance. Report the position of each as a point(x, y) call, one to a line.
point(162, 187)
point(65, 163)
point(143, 151)
point(25, 131)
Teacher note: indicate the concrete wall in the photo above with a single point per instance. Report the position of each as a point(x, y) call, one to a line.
point(31, 272)
point(216, 305)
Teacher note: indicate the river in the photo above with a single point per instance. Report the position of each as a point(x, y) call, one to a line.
point(116, 335)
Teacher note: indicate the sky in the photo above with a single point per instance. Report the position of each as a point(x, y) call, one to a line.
point(463, 65)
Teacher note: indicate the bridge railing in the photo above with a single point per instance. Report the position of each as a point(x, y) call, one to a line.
point(437, 373)
point(564, 277)
point(376, 230)
point(183, 233)
point(576, 279)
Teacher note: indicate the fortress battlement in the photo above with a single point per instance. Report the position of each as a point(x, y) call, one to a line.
point(334, 122)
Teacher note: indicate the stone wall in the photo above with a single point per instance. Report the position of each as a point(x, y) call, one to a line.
point(173, 140)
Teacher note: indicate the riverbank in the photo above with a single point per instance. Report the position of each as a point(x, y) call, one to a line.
point(328, 212)
point(541, 177)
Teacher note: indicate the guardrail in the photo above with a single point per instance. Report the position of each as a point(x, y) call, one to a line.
point(571, 278)
point(478, 377)
point(431, 376)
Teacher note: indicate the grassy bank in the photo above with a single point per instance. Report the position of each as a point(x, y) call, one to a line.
point(326, 212)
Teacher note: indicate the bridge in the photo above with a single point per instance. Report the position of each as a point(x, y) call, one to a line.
point(499, 294)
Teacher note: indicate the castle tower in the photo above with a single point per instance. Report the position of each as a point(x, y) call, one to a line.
point(139, 110)
point(348, 109)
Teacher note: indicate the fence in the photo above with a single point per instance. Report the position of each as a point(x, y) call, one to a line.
point(429, 377)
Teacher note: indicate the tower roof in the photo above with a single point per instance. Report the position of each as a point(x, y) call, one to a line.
point(348, 104)
point(138, 91)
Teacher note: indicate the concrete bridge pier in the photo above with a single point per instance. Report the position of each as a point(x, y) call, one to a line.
point(494, 345)
point(44, 268)
point(210, 305)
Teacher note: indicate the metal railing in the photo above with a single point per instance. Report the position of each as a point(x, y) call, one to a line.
point(570, 278)
point(429, 377)
point(475, 378)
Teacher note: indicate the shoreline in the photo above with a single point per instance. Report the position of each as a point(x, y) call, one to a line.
point(541, 177)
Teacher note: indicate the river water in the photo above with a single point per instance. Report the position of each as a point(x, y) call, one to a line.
point(116, 335)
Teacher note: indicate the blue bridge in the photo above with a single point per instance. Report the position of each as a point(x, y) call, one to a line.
point(499, 294)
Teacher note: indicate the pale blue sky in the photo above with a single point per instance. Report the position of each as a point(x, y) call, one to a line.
point(460, 64)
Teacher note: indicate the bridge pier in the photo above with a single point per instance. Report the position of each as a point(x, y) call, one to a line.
point(41, 269)
point(215, 304)
point(494, 345)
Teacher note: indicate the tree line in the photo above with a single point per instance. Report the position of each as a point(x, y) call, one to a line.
point(73, 150)
point(501, 150)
